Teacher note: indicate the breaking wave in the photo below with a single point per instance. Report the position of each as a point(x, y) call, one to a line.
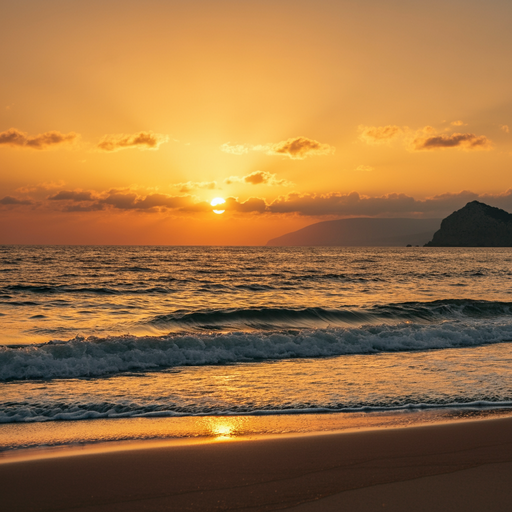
point(283, 318)
point(393, 328)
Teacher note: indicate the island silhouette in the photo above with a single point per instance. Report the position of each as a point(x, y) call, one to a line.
point(475, 225)
point(362, 232)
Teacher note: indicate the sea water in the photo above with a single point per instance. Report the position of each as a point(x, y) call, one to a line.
point(184, 335)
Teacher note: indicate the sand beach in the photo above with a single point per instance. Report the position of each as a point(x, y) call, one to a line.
point(455, 466)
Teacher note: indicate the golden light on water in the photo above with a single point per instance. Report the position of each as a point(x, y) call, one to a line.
point(216, 201)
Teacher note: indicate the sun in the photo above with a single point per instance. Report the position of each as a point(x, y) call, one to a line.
point(215, 202)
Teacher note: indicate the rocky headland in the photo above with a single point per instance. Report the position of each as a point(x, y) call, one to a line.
point(475, 225)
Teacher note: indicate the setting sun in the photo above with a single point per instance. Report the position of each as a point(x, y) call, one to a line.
point(217, 201)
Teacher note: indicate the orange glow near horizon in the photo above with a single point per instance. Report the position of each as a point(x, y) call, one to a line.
point(292, 113)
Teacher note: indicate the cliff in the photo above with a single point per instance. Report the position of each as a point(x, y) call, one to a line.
point(475, 225)
point(362, 232)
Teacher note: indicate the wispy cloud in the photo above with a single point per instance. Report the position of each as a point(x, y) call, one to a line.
point(467, 141)
point(458, 123)
point(379, 134)
point(141, 140)
point(18, 139)
point(72, 195)
point(41, 187)
point(297, 148)
point(505, 128)
point(300, 148)
point(9, 200)
point(258, 178)
point(364, 168)
point(235, 149)
point(424, 139)
point(395, 204)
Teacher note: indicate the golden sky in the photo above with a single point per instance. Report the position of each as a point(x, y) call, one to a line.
point(121, 120)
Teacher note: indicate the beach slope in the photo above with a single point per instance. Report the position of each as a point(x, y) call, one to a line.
point(456, 466)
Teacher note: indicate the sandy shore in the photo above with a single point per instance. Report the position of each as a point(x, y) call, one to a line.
point(463, 466)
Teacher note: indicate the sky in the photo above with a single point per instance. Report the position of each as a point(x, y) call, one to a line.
point(120, 121)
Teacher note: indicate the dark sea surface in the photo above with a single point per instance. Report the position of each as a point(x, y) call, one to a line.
point(174, 332)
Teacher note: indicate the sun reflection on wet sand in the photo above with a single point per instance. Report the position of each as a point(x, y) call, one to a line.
point(223, 427)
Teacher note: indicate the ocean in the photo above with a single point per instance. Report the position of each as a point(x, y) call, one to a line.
point(116, 343)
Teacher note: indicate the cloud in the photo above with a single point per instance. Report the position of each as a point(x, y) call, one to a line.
point(237, 149)
point(253, 204)
point(297, 148)
point(41, 187)
point(187, 187)
point(18, 139)
point(128, 200)
point(458, 123)
point(364, 168)
point(331, 205)
point(466, 141)
point(9, 200)
point(132, 200)
point(424, 139)
point(505, 128)
point(72, 195)
point(389, 205)
point(258, 178)
point(354, 204)
point(141, 140)
point(379, 134)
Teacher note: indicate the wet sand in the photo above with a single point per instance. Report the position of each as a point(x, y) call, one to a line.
point(456, 466)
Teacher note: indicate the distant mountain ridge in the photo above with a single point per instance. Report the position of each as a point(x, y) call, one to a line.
point(475, 225)
point(362, 232)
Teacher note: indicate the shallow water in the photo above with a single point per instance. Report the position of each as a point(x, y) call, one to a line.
point(130, 332)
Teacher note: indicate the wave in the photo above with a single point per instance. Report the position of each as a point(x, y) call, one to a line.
point(54, 412)
point(125, 289)
point(95, 357)
point(285, 318)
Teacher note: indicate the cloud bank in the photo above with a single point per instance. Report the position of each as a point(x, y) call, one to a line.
point(297, 148)
point(332, 205)
point(18, 139)
point(389, 205)
point(141, 140)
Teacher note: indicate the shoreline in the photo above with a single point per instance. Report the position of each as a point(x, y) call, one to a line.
point(438, 466)
point(66, 438)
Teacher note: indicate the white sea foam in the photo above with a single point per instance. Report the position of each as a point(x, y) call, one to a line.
point(94, 357)
point(35, 415)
